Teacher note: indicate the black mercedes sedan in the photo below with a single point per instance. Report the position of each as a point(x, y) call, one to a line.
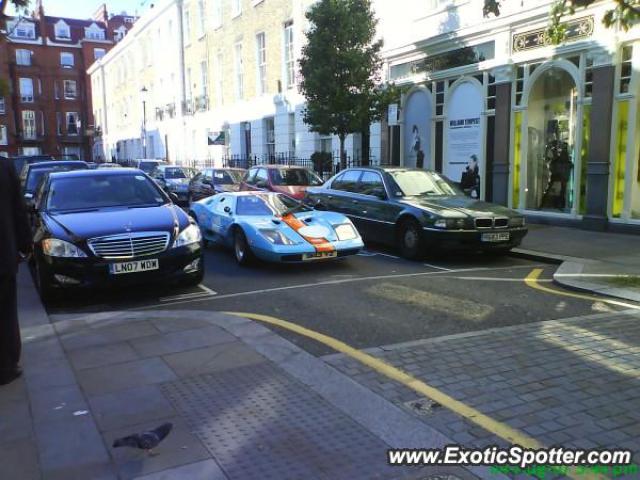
point(418, 211)
point(97, 228)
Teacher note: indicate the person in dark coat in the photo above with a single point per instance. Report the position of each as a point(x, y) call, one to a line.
point(15, 244)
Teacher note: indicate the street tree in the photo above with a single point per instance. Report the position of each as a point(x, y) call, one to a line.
point(340, 68)
point(624, 13)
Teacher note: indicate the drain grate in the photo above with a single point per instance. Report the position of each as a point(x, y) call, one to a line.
point(259, 423)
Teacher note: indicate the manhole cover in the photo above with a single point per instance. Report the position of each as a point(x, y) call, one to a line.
point(423, 406)
point(260, 423)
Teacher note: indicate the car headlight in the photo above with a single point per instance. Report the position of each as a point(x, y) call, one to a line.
point(188, 236)
point(450, 223)
point(345, 231)
point(516, 222)
point(276, 237)
point(54, 247)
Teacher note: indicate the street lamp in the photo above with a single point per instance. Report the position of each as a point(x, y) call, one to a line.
point(143, 93)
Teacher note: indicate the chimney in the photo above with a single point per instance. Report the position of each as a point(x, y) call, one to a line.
point(101, 15)
point(38, 13)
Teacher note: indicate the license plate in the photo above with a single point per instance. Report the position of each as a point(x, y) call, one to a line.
point(319, 255)
point(496, 237)
point(134, 267)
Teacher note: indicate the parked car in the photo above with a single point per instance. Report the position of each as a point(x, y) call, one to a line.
point(214, 180)
point(147, 165)
point(274, 227)
point(418, 211)
point(20, 161)
point(33, 173)
point(174, 179)
point(111, 227)
point(109, 165)
point(292, 181)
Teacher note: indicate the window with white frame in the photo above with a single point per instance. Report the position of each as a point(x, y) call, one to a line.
point(270, 136)
point(119, 33)
point(4, 138)
point(23, 57)
point(72, 123)
point(186, 19)
point(98, 53)
point(62, 30)
point(203, 79)
point(217, 13)
point(94, 32)
point(2, 106)
point(58, 123)
point(236, 7)
point(239, 71)
point(189, 92)
point(29, 124)
point(261, 62)
point(201, 17)
point(26, 90)
point(220, 80)
point(66, 59)
point(289, 59)
point(70, 91)
point(22, 29)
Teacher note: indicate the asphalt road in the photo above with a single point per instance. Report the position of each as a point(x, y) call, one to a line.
point(369, 300)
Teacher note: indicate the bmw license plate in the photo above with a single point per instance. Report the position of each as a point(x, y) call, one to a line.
point(319, 255)
point(496, 237)
point(134, 267)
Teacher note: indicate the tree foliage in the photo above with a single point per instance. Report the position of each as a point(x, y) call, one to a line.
point(340, 68)
point(624, 13)
point(16, 3)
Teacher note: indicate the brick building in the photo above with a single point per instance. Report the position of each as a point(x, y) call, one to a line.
point(45, 97)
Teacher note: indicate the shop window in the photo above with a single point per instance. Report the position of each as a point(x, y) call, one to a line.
point(552, 110)
point(439, 97)
point(417, 131)
point(491, 92)
point(588, 77)
point(584, 155)
point(625, 69)
point(620, 158)
point(519, 84)
point(517, 159)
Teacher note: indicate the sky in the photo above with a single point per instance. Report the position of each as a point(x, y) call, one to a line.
point(85, 8)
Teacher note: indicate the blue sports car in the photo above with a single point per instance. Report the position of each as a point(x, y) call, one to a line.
point(274, 227)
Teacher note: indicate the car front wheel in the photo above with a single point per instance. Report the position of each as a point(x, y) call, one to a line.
point(241, 248)
point(410, 239)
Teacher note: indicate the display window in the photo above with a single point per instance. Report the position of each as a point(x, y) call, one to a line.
point(417, 132)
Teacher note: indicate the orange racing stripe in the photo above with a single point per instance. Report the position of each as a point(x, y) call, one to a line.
point(320, 244)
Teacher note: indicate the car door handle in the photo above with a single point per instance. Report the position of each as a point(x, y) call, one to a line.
point(355, 201)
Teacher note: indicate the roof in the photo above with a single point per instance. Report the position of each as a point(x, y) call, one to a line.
point(281, 167)
point(56, 163)
point(97, 172)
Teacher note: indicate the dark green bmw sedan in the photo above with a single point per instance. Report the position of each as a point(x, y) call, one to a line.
point(418, 211)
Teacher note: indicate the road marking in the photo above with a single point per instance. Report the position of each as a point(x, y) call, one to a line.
point(207, 289)
point(501, 279)
point(370, 253)
point(206, 292)
point(533, 279)
point(496, 427)
point(324, 283)
point(437, 267)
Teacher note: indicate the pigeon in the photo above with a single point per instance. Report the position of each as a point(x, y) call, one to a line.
point(145, 441)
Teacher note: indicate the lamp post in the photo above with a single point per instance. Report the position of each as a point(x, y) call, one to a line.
point(144, 122)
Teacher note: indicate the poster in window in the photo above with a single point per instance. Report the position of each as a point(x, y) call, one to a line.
point(417, 128)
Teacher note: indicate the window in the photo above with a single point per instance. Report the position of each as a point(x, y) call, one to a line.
point(187, 26)
point(70, 89)
point(22, 29)
point(66, 59)
point(4, 140)
point(289, 61)
point(94, 32)
point(220, 82)
point(29, 124)
point(23, 57)
point(203, 79)
point(236, 7)
point(347, 182)
point(26, 90)
point(99, 53)
point(261, 178)
point(58, 123)
point(188, 82)
point(371, 184)
point(625, 68)
point(2, 106)
point(201, 17)
point(217, 13)
point(119, 33)
point(72, 123)
point(261, 61)
point(269, 126)
point(239, 71)
point(62, 31)
point(326, 144)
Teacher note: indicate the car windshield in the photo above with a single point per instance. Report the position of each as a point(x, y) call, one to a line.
point(147, 167)
point(414, 182)
point(295, 177)
point(179, 172)
point(36, 175)
point(102, 191)
point(227, 177)
point(267, 205)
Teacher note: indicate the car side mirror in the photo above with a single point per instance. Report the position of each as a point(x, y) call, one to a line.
point(261, 184)
point(227, 209)
point(173, 197)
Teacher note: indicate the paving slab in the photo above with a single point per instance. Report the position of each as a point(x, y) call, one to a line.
point(19, 460)
point(205, 470)
point(212, 359)
point(180, 341)
point(101, 355)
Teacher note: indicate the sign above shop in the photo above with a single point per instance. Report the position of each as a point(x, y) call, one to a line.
point(576, 29)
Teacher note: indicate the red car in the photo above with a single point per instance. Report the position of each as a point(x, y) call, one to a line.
point(292, 181)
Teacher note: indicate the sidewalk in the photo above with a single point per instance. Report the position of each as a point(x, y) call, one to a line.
point(245, 404)
point(599, 262)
